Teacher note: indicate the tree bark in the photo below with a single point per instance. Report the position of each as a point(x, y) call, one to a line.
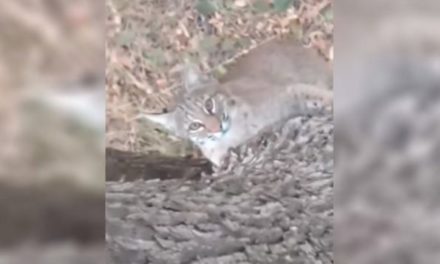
point(276, 208)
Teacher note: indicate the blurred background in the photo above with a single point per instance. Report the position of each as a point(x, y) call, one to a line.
point(387, 114)
point(52, 116)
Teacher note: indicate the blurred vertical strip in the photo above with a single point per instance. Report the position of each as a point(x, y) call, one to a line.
point(387, 111)
point(52, 122)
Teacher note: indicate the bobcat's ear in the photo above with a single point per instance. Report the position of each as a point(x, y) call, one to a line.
point(194, 79)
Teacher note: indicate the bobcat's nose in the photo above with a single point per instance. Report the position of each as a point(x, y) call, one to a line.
point(213, 125)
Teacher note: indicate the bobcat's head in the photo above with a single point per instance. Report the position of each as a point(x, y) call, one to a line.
point(202, 113)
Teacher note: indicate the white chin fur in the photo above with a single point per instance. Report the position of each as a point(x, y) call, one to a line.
point(212, 149)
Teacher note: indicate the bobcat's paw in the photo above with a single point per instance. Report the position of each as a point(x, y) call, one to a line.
point(215, 155)
point(224, 161)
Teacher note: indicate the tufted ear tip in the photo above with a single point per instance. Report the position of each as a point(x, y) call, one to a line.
point(192, 76)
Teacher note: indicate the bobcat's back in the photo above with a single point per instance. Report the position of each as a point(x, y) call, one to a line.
point(278, 79)
point(281, 62)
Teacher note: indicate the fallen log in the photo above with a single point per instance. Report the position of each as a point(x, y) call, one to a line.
point(131, 166)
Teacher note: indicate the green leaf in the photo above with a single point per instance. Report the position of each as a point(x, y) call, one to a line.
point(219, 72)
point(282, 5)
point(126, 38)
point(261, 6)
point(155, 57)
point(209, 44)
point(206, 7)
point(328, 15)
point(228, 44)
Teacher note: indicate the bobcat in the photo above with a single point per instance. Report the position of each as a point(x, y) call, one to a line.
point(274, 81)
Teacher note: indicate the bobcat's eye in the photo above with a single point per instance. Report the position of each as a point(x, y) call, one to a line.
point(195, 126)
point(210, 106)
